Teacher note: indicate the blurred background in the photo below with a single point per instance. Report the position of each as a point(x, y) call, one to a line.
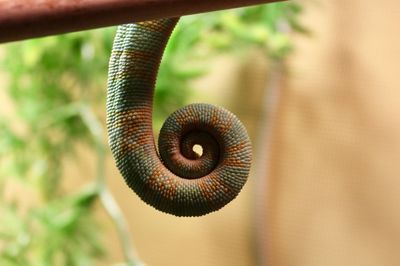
point(315, 83)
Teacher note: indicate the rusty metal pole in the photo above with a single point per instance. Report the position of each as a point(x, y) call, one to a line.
point(23, 19)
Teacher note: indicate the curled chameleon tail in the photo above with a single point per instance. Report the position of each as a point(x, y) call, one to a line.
point(178, 181)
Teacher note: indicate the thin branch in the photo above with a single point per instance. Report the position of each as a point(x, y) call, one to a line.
point(106, 198)
point(112, 208)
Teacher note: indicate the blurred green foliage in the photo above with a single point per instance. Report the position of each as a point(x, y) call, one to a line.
point(56, 83)
point(50, 80)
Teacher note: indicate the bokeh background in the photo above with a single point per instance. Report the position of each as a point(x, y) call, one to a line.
point(315, 83)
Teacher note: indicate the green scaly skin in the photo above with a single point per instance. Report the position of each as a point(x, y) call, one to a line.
point(176, 181)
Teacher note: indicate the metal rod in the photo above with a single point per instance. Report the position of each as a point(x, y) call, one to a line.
point(24, 19)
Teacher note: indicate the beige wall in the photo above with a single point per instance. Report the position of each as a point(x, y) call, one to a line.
point(334, 180)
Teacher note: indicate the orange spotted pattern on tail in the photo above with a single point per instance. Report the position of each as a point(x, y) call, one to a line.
point(172, 180)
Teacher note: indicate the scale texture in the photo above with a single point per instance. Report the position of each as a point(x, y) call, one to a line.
point(176, 180)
